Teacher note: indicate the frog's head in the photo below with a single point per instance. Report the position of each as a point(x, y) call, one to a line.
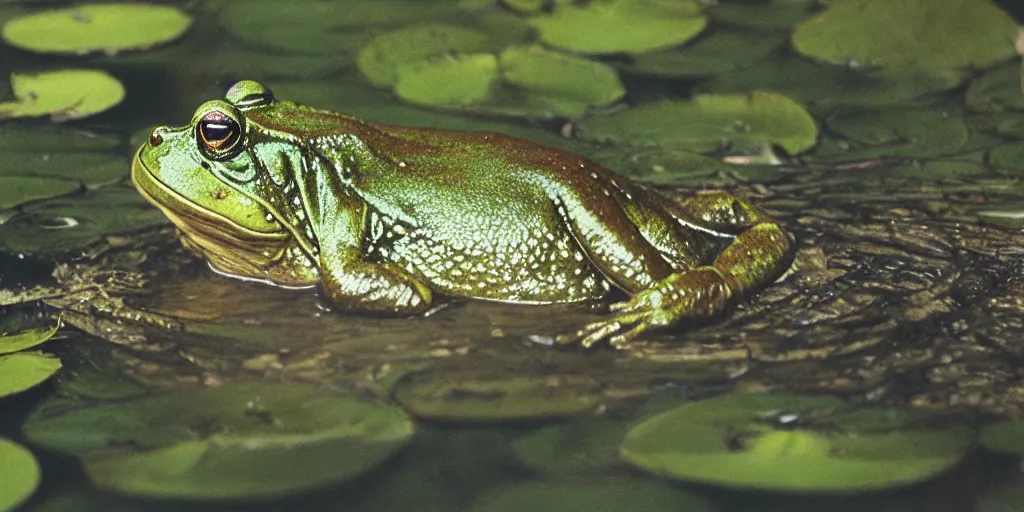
point(213, 179)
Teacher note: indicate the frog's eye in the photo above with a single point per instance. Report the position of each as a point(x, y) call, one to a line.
point(218, 135)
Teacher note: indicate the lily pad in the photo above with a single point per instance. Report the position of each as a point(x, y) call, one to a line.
point(997, 90)
point(734, 123)
point(92, 169)
point(62, 225)
point(1005, 497)
point(24, 370)
point(620, 26)
point(573, 447)
point(1008, 156)
point(315, 26)
point(15, 191)
point(824, 87)
point(97, 27)
point(570, 84)
point(63, 95)
point(27, 339)
point(1006, 436)
point(19, 472)
point(601, 495)
point(931, 34)
point(383, 59)
point(791, 443)
point(718, 52)
point(448, 80)
point(15, 137)
point(761, 14)
point(239, 441)
point(898, 132)
point(460, 398)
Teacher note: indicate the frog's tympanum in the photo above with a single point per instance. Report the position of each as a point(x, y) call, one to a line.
point(385, 217)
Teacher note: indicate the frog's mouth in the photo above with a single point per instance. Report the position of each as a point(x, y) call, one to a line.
point(229, 247)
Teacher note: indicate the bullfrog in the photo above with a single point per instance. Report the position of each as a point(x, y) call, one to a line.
point(387, 218)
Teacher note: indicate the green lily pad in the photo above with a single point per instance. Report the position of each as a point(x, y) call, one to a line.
point(1004, 497)
point(758, 14)
point(902, 132)
point(19, 472)
point(791, 443)
point(97, 27)
point(570, 84)
point(63, 225)
point(315, 26)
point(734, 123)
point(24, 370)
point(63, 95)
point(1008, 156)
point(601, 495)
point(243, 440)
point(620, 26)
point(997, 90)
point(383, 59)
point(573, 447)
point(15, 191)
point(16, 342)
point(718, 52)
point(931, 34)
point(1006, 436)
point(451, 398)
point(90, 169)
point(824, 87)
point(15, 137)
point(448, 80)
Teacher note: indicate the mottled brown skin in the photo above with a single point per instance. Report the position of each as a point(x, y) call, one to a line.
point(383, 217)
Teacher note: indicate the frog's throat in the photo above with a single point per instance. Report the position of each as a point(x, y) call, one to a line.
point(230, 248)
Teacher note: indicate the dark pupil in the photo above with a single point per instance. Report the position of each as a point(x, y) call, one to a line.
point(218, 131)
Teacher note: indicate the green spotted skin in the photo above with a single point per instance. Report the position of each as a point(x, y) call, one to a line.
point(385, 217)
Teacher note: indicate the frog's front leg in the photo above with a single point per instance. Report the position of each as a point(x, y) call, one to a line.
point(358, 285)
point(337, 220)
point(759, 254)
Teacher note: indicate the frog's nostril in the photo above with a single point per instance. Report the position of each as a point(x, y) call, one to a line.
point(155, 139)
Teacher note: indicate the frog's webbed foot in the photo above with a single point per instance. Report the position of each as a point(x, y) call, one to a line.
point(698, 293)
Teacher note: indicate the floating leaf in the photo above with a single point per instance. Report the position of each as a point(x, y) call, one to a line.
point(1008, 156)
point(315, 26)
point(48, 138)
point(570, 84)
point(573, 447)
point(599, 495)
point(97, 27)
point(63, 95)
point(720, 51)
point(736, 123)
point(67, 224)
point(382, 60)
point(902, 132)
point(25, 370)
point(771, 443)
point(27, 339)
point(997, 90)
point(931, 34)
point(241, 440)
point(824, 87)
point(770, 14)
point(15, 191)
point(19, 473)
point(620, 26)
point(90, 169)
point(448, 80)
point(442, 397)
